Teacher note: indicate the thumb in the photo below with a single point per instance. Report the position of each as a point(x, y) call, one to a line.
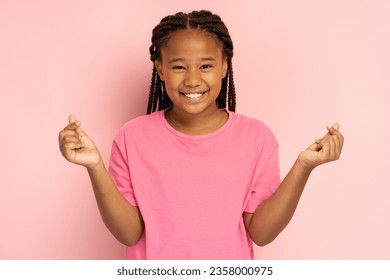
point(336, 126)
point(71, 119)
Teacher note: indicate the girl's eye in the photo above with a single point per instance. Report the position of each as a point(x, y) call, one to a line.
point(206, 66)
point(177, 67)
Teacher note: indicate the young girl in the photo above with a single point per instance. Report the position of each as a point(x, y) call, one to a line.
point(192, 179)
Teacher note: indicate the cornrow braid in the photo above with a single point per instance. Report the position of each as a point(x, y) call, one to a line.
point(204, 20)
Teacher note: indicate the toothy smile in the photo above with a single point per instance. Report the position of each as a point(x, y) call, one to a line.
point(196, 95)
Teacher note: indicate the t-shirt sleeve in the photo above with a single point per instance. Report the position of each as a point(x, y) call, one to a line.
point(266, 177)
point(119, 168)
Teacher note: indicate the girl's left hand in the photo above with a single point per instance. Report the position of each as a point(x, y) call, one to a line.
point(323, 150)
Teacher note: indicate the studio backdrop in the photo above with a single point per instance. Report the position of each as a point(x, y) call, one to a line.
point(298, 66)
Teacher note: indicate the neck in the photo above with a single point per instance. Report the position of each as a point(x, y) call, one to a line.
point(196, 124)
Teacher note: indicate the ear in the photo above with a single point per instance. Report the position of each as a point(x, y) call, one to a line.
point(224, 67)
point(158, 66)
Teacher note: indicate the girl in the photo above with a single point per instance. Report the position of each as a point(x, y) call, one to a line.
point(192, 179)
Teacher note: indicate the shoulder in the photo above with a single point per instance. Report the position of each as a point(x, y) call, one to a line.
point(140, 121)
point(251, 127)
point(140, 125)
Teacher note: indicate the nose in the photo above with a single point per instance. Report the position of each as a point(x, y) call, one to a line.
point(192, 78)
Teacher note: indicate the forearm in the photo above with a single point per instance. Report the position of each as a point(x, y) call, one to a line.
point(122, 219)
point(273, 215)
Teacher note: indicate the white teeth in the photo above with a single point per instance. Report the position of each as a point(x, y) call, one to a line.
point(193, 95)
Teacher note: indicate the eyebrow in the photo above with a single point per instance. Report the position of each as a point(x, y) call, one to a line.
point(180, 59)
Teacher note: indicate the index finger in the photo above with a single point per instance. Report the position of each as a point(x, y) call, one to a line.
point(334, 130)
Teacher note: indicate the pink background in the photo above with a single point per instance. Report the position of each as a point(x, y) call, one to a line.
point(299, 65)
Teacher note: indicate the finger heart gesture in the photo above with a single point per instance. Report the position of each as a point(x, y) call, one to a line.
point(76, 146)
point(323, 150)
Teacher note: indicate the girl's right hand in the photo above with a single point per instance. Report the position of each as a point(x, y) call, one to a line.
point(77, 147)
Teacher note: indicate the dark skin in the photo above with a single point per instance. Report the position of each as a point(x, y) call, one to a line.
point(192, 62)
point(192, 65)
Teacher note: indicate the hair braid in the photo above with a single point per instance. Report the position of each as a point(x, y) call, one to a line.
point(203, 20)
point(232, 97)
point(151, 105)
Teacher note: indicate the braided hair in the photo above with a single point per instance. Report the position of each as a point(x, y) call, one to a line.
point(204, 20)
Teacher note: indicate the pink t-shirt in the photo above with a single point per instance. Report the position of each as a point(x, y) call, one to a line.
point(193, 190)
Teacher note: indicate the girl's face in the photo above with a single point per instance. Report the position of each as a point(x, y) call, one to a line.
point(192, 65)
